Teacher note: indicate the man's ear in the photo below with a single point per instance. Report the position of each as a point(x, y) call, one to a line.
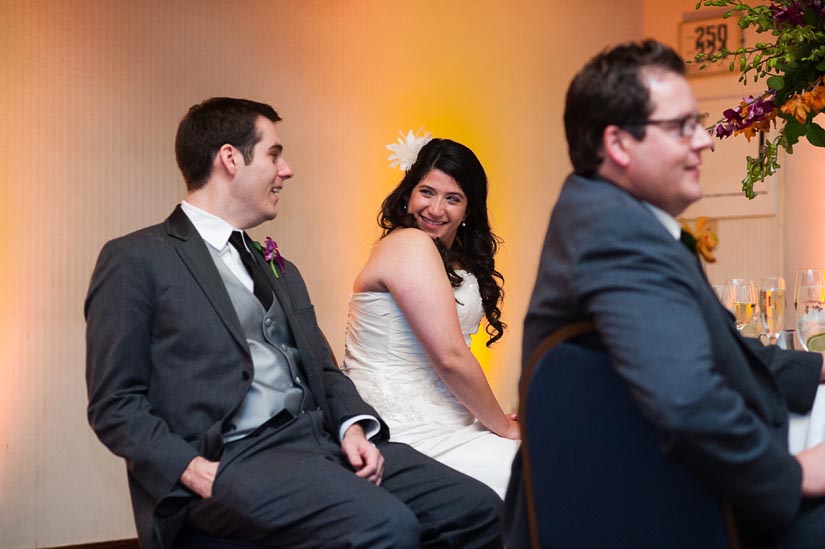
point(227, 159)
point(615, 142)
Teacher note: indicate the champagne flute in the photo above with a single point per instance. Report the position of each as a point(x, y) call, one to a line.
point(744, 296)
point(806, 277)
point(772, 305)
point(809, 296)
point(723, 292)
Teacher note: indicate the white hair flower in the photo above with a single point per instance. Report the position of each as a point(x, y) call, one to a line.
point(405, 152)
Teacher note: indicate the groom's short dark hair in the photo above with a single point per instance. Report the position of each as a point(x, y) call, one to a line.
point(212, 124)
point(610, 90)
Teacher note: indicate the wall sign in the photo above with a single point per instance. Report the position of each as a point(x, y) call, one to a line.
point(709, 36)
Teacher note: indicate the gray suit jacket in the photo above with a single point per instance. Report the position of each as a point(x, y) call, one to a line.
point(168, 364)
point(720, 401)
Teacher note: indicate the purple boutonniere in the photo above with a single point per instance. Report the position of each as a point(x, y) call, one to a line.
point(271, 255)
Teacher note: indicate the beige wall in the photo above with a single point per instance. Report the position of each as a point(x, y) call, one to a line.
point(90, 96)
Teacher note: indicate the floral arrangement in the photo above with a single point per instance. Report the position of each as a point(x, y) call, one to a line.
point(405, 151)
point(271, 254)
point(793, 67)
point(700, 238)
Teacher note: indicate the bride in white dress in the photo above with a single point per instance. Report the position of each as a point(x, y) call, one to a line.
point(421, 295)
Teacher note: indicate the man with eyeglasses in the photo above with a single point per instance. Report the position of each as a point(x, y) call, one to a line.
point(613, 255)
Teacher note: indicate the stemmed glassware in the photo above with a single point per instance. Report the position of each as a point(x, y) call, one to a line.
point(744, 296)
point(723, 292)
point(772, 305)
point(809, 301)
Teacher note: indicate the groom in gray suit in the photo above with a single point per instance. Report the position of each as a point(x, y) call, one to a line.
point(613, 255)
point(208, 373)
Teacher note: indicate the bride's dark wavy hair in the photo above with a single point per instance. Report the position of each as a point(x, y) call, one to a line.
point(475, 244)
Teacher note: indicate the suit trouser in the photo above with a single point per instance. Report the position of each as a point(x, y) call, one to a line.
point(292, 487)
point(805, 531)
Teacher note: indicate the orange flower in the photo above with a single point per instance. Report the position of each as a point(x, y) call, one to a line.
point(815, 98)
point(796, 107)
point(747, 131)
point(705, 239)
point(759, 122)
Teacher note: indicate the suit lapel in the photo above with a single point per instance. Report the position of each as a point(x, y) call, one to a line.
point(283, 294)
point(729, 319)
point(276, 284)
point(194, 254)
point(279, 286)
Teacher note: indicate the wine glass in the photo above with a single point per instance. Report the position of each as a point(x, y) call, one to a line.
point(806, 277)
point(743, 294)
point(772, 305)
point(809, 299)
point(722, 292)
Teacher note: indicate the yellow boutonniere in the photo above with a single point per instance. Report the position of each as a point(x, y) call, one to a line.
point(700, 238)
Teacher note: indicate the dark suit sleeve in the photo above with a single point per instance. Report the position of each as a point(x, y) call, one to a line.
point(340, 395)
point(796, 372)
point(671, 349)
point(119, 312)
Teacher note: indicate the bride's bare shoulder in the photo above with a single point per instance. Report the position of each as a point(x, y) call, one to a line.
point(406, 241)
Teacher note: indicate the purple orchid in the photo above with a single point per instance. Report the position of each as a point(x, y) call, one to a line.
point(792, 14)
point(762, 107)
point(724, 130)
point(273, 256)
point(751, 111)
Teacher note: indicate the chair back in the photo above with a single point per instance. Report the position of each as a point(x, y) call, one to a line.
point(594, 475)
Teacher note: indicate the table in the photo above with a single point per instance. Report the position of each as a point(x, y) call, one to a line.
point(808, 430)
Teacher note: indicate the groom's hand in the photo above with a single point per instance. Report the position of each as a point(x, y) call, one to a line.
point(362, 454)
point(199, 476)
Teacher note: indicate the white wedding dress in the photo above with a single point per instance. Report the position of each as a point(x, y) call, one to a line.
point(393, 374)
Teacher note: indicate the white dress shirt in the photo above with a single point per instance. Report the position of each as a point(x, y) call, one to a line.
point(665, 219)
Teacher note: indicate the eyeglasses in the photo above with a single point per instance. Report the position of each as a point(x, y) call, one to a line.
point(686, 125)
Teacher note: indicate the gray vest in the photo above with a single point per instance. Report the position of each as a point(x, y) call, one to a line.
point(276, 383)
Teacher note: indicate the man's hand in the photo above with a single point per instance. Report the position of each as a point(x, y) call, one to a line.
point(199, 476)
point(812, 461)
point(363, 455)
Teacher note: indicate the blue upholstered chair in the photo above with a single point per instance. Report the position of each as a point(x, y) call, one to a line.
point(594, 476)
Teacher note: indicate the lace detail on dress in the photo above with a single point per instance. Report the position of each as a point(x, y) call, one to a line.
point(392, 372)
point(388, 365)
point(404, 403)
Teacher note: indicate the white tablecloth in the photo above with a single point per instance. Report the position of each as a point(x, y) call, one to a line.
point(808, 430)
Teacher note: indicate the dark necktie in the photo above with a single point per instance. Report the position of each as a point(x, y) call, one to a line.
point(690, 243)
point(262, 289)
point(688, 240)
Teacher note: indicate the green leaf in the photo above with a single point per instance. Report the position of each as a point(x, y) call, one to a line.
point(776, 82)
point(815, 135)
point(821, 66)
point(793, 131)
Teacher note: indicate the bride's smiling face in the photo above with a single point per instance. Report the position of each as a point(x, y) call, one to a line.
point(438, 205)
